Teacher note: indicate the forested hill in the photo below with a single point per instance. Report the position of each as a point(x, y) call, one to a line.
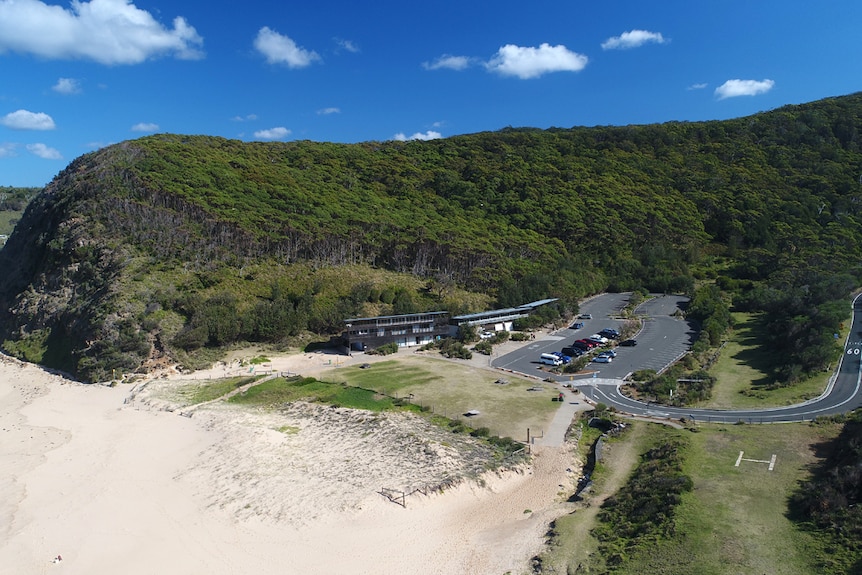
point(516, 213)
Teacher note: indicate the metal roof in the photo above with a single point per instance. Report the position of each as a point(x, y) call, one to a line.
point(536, 304)
point(402, 316)
point(492, 313)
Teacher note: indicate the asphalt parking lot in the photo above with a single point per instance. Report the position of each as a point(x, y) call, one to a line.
point(665, 337)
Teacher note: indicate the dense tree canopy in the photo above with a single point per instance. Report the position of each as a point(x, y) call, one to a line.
point(768, 206)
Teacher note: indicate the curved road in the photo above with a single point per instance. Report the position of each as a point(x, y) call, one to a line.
point(663, 339)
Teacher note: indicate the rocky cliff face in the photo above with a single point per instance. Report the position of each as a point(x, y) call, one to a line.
point(59, 275)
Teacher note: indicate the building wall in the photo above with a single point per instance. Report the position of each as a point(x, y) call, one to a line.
point(406, 331)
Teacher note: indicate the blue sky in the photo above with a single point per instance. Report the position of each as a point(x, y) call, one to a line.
point(75, 76)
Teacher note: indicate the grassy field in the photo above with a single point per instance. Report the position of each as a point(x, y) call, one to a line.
point(278, 391)
point(734, 521)
point(742, 376)
point(451, 389)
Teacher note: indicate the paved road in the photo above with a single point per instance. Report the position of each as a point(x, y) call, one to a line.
point(663, 339)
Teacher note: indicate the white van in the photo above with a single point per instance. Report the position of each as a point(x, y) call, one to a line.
point(550, 359)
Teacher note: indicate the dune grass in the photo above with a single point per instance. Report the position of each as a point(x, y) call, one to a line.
point(210, 389)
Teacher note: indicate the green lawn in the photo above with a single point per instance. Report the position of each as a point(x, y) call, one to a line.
point(450, 388)
point(734, 521)
point(742, 372)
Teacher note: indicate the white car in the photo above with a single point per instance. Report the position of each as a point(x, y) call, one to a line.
point(602, 359)
point(596, 337)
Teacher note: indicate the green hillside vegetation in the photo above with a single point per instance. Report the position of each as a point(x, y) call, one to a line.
point(12, 204)
point(176, 245)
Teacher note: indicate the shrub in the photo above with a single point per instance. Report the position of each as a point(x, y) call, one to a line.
point(385, 349)
point(453, 348)
point(484, 347)
point(499, 337)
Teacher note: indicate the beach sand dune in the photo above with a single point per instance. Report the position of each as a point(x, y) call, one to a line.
point(115, 485)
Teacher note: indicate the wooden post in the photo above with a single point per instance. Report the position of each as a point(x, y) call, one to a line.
point(528, 436)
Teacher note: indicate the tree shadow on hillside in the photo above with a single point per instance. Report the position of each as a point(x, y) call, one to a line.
point(752, 337)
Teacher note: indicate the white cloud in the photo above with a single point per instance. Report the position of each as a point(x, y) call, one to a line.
point(448, 62)
point(429, 135)
point(25, 120)
point(280, 49)
point(633, 39)
point(67, 86)
point(272, 133)
point(44, 152)
point(7, 150)
point(347, 45)
point(246, 118)
point(734, 88)
point(697, 86)
point(106, 31)
point(145, 127)
point(327, 111)
point(530, 62)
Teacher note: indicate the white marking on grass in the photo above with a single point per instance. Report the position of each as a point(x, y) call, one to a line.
point(771, 461)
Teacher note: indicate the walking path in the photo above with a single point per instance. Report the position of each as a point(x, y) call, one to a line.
point(555, 434)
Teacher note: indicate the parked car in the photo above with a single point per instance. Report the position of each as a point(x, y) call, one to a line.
point(608, 353)
point(598, 338)
point(602, 359)
point(610, 333)
point(587, 344)
point(565, 358)
point(629, 343)
point(573, 351)
point(487, 335)
point(585, 316)
point(577, 325)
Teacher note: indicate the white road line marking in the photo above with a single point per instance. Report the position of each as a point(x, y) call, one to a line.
point(739, 459)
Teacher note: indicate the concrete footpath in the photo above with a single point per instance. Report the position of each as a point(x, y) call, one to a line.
point(573, 402)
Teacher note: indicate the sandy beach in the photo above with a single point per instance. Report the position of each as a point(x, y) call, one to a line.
point(110, 480)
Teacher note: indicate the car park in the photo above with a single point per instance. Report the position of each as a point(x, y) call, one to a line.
point(602, 359)
point(629, 343)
